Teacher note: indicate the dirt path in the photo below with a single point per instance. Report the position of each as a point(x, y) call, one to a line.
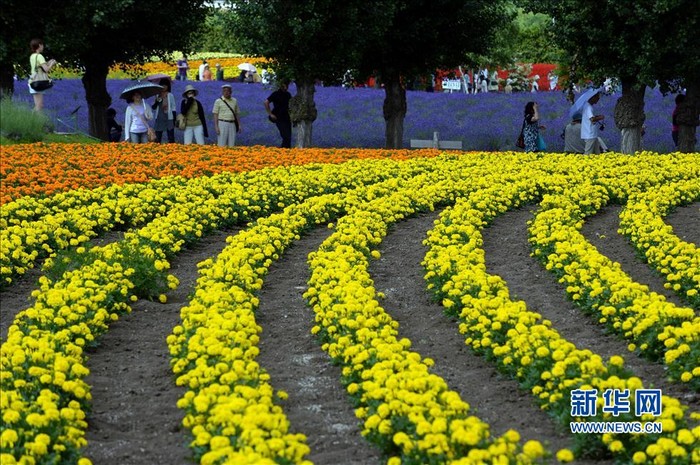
point(507, 255)
point(134, 418)
point(494, 398)
point(686, 222)
point(601, 231)
point(317, 405)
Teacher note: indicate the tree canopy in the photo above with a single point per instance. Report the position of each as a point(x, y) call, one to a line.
point(96, 34)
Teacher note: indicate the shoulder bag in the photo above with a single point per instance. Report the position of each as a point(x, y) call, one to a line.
point(150, 132)
point(520, 143)
point(235, 119)
point(40, 80)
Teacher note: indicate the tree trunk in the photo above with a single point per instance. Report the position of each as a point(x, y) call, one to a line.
point(394, 111)
point(7, 79)
point(98, 99)
point(687, 118)
point(629, 116)
point(302, 111)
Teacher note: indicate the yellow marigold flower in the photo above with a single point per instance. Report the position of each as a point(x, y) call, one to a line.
point(639, 457)
point(565, 456)
point(8, 438)
point(7, 459)
point(162, 298)
point(533, 449)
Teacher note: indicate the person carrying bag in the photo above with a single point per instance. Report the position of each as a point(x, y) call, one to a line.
point(39, 79)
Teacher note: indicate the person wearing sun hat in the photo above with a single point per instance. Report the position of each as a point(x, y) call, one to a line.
point(226, 117)
point(196, 124)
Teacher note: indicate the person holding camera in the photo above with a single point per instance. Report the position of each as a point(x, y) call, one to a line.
point(590, 127)
point(36, 61)
point(164, 108)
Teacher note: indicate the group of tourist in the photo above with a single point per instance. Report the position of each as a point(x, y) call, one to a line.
point(581, 134)
point(162, 116)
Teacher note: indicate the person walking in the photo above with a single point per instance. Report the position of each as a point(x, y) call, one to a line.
point(136, 119)
point(589, 128)
point(164, 107)
point(279, 113)
point(226, 118)
point(36, 61)
point(182, 67)
point(200, 72)
point(195, 123)
point(531, 129)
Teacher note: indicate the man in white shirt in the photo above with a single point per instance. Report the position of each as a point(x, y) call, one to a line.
point(589, 128)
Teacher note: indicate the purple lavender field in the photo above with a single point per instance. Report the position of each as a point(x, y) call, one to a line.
point(353, 117)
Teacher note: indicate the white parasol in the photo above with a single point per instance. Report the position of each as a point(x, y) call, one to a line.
point(247, 67)
point(146, 89)
point(577, 107)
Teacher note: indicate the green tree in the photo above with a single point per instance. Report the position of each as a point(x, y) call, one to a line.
point(420, 36)
point(641, 43)
point(216, 33)
point(306, 40)
point(96, 34)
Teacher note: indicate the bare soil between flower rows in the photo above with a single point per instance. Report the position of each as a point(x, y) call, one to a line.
point(134, 418)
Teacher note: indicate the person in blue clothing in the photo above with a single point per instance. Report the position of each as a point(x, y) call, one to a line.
point(279, 113)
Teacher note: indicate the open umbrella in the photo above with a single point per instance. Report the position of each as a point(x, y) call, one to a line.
point(146, 89)
point(577, 107)
point(247, 67)
point(156, 78)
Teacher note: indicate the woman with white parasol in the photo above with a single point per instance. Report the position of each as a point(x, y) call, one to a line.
point(138, 113)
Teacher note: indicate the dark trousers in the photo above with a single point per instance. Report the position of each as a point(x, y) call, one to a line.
point(285, 129)
point(171, 136)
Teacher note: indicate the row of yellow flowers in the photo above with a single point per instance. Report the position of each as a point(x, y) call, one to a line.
point(36, 227)
point(408, 411)
point(230, 406)
point(599, 285)
point(524, 344)
point(73, 311)
point(32, 229)
point(642, 221)
point(41, 398)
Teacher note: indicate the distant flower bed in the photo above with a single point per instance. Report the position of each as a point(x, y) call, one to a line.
point(120, 71)
point(354, 118)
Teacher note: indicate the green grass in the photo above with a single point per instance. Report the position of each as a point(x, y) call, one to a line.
point(20, 124)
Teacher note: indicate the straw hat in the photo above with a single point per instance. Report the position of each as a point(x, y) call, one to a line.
point(189, 88)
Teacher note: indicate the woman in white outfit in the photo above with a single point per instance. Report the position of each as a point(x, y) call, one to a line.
point(136, 119)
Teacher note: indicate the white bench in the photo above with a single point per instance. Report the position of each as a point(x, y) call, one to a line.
point(436, 143)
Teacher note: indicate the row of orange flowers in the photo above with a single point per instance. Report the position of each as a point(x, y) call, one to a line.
point(44, 169)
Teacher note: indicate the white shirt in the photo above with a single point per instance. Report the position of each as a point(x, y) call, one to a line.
point(132, 120)
point(589, 129)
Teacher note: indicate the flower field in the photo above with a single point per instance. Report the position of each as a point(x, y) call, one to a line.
point(353, 117)
point(100, 227)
